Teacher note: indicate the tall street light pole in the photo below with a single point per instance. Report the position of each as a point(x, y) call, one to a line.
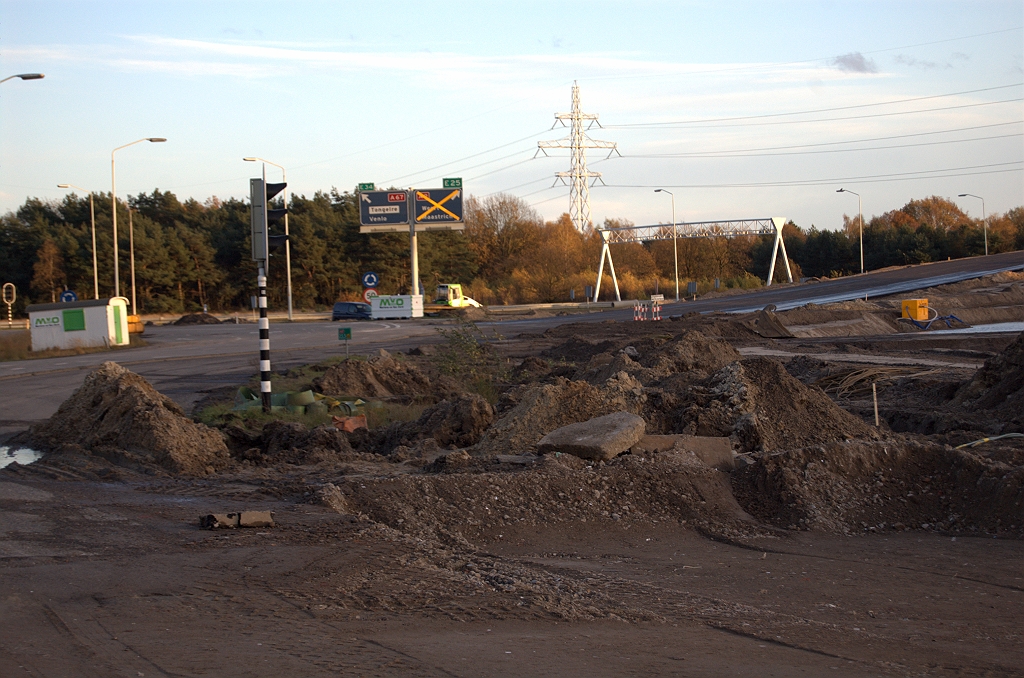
point(675, 248)
point(113, 204)
point(25, 76)
point(287, 243)
point(983, 222)
point(92, 215)
point(860, 216)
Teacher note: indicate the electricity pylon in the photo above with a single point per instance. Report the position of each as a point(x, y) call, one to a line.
point(578, 178)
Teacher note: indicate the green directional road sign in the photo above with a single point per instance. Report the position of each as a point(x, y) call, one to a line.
point(455, 182)
point(344, 333)
point(367, 187)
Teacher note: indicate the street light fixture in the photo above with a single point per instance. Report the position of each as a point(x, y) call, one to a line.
point(113, 205)
point(287, 243)
point(860, 216)
point(983, 222)
point(25, 76)
point(675, 248)
point(92, 215)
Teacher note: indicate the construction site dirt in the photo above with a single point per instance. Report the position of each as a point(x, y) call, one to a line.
point(760, 523)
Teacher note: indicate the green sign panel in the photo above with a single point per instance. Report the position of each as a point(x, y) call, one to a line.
point(455, 182)
point(366, 187)
point(344, 333)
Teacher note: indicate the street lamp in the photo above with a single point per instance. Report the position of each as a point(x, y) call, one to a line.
point(92, 214)
point(983, 222)
point(287, 243)
point(860, 216)
point(25, 76)
point(113, 203)
point(675, 248)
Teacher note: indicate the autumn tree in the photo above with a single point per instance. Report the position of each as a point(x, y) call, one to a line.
point(48, 271)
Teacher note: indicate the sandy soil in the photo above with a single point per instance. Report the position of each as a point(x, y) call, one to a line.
point(834, 548)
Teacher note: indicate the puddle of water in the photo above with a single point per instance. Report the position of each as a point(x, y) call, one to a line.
point(22, 455)
point(993, 327)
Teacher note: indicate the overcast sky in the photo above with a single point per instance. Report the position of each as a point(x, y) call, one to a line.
point(740, 109)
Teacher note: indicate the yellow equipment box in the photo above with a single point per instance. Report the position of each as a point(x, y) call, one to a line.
point(915, 309)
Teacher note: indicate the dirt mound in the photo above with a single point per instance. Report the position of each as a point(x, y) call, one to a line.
point(692, 352)
point(578, 350)
point(528, 413)
point(998, 385)
point(765, 409)
point(457, 422)
point(379, 377)
point(117, 415)
point(460, 506)
point(197, 319)
point(891, 485)
point(691, 355)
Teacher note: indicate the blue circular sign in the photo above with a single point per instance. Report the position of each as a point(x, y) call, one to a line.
point(68, 296)
point(370, 279)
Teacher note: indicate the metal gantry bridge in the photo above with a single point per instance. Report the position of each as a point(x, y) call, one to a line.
point(694, 229)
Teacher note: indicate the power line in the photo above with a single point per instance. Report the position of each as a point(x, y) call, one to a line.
point(848, 117)
point(468, 157)
point(870, 178)
point(733, 154)
point(816, 110)
point(835, 143)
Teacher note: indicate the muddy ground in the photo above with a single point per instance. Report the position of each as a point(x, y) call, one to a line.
point(442, 544)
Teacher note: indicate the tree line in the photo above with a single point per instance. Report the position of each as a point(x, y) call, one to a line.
point(190, 255)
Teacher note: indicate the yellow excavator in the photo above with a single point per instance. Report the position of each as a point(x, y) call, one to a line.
point(450, 295)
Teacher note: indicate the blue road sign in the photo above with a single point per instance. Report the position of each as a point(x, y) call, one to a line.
point(380, 210)
point(370, 279)
point(438, 206)
point(67, 296)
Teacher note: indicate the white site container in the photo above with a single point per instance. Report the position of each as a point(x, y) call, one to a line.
point(396, 306)
point(96, 322)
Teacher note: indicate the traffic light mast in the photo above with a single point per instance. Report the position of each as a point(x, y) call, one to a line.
point(260, 193)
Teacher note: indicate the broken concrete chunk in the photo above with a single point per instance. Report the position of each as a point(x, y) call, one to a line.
point(599, 439)
point(256, 519)
point(219, 521)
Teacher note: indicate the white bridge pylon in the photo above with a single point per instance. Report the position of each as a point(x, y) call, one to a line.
point(694, 229)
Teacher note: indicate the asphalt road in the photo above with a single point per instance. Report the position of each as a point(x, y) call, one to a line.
point(186, 362)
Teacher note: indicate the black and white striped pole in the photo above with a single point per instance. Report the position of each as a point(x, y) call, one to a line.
point(265, 390)
point(260, 193)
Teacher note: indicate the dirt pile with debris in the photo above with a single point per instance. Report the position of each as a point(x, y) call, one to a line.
point(197, 319)
point(290, 443)
point(691, 355)
point(998, 386)
point(763, 408)
point(487, 496)
point(118, 415)
point(527, 413)
point(897, 484)
point(456, 422)
point(381, 376)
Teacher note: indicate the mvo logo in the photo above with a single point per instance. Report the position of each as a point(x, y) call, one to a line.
point(52, 321)
point(392, 303)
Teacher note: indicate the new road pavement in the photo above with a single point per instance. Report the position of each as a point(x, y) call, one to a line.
point(187, 362)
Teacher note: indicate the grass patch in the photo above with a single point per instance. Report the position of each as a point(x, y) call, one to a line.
point(381, 414)
point(224, 414)
point(17, 345)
